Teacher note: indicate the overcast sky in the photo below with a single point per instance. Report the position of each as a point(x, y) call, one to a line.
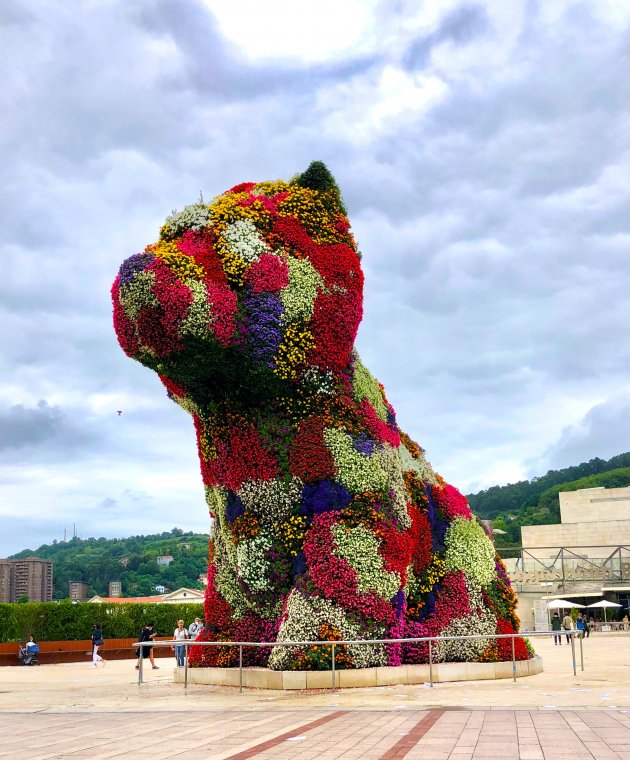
point(482, 150)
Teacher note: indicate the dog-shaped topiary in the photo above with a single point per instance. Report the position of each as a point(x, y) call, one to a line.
point(329, 523)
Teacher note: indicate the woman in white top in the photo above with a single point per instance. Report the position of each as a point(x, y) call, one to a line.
point(180, 634)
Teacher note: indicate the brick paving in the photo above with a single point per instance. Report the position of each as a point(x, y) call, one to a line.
point(232, 734)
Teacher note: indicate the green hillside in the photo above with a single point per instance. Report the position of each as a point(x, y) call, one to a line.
point(130, 560)
point(536, 501)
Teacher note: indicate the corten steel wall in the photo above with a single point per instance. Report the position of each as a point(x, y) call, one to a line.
point(79, 651)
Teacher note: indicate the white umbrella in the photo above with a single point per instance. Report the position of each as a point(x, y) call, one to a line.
point(605, 604)
point(562, 604)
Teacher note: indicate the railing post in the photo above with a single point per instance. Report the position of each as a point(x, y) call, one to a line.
point(573, 652)
point(333, 666)
point(513, 660)
point(140, 664)
point(186, 653)
point(240, 668)
point(431, 663)
point(581, 654)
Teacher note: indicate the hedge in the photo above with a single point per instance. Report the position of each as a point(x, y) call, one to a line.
point(65, 621)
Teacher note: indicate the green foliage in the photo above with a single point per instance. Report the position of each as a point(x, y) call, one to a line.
point(318, 177)
point(132, 560)
point(67, 621)
point(536, 502)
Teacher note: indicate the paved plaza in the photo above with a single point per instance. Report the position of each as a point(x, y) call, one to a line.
point(75, 711)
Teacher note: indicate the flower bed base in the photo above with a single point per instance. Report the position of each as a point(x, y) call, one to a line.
point(263, 678)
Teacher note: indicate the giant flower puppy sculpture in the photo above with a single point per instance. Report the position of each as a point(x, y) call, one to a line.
point(329, 523)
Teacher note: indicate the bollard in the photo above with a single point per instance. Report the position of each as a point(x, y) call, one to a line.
point(140, 664)
point(430, 663)
point(186, 653)
point(573, 652)
point(240, 668)
point(513, 660)
point(333, 666)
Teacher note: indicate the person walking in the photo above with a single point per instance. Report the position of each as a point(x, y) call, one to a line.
point(567, 625)
point(97, 643)
point(148, 633)
point(195, 628)
point(580, 625)
point(556, 625)
point(180, 634)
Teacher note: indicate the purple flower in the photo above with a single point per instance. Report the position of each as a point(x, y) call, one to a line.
point(136, 263)
point(325, 496)
point(263, 313)
point(364, 444)
point(234, 507)
point(439, 525)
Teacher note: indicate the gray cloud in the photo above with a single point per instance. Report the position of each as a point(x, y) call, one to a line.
point(603, 429)
point(482, 156)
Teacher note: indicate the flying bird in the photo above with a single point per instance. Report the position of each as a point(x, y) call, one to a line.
point(119, 412)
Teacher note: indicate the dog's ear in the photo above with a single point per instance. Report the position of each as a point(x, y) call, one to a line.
point(318, 177)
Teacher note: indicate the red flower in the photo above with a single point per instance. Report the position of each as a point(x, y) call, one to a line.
point(380, 430)
point(451, 502)
point(241, 457)
point(269, 273)
point(504, 646)
point(335, 578)
point(200, 246)
point(309, 458)
point(125, 328)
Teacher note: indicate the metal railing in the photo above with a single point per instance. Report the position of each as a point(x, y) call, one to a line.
point(366, 642)
point(571, 564)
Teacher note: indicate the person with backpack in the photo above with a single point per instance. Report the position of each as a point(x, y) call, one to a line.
point(97, 642)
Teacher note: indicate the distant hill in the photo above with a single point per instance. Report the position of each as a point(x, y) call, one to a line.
point(96, 561)
point(536, 501)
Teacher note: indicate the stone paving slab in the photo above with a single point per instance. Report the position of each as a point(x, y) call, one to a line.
point(273, 734)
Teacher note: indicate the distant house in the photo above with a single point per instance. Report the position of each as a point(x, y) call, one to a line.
point(181, 596)
point(160, 589)
point(203, 579)
point(124, 561)
point(184, 545)
point(164, 559)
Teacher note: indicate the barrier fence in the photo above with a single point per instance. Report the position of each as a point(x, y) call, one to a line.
point(430, 640)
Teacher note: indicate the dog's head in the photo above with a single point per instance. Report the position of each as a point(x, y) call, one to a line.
point(240, 297)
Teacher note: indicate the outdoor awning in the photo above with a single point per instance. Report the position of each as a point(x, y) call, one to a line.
point(577, 595)
point(562, 604)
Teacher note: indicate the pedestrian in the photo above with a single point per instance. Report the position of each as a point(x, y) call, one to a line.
point(97, 643)
point(148, 633)
point(567, 625)
point(580, 625)
point(195, 627)
point(587, 626)
point(180, 634)
point(32, 647)
point(625, 622)
point(556, 625)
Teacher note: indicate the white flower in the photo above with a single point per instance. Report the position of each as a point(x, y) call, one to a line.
point(271, 500)
point(251, 562)
point(244, 240)
point(359, 547)
point(193, 217)
point(469, 549)
point(298, 297)
point(137, 294)
point(303, 620)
